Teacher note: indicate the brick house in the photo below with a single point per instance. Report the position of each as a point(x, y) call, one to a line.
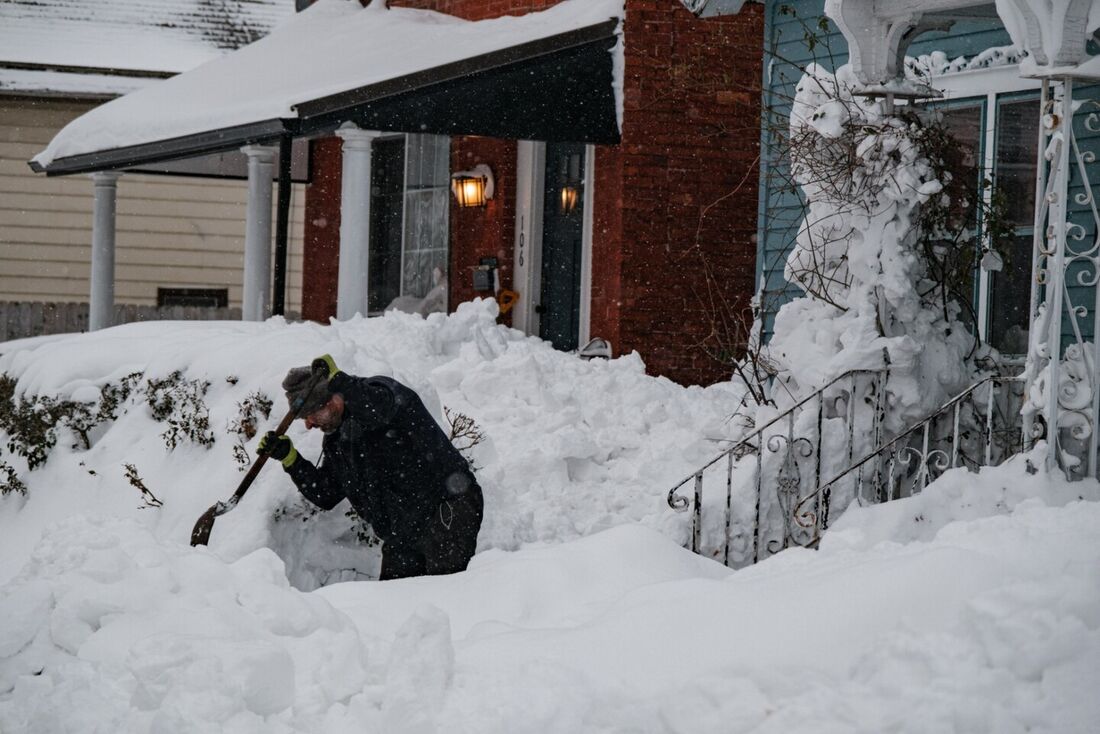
point(620, 138)
point(661, 245)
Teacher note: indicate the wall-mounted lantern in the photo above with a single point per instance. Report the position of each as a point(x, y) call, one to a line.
point(473, 188)
point(570, 195)
point(570, 180)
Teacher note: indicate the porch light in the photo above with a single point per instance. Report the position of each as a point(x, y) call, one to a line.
point(569, 198)
point(473, 188)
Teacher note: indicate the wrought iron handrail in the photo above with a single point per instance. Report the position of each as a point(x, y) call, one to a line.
point(752, 443)
point(929, 458)
point(680, 503)
point(784, 456)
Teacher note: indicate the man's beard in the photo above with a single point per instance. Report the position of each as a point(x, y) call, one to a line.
point(331, 424)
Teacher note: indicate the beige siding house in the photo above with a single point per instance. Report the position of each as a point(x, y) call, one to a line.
point(178, 237)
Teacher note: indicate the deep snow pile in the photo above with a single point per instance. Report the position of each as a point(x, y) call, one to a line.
point(571, 448)
point(981, 613)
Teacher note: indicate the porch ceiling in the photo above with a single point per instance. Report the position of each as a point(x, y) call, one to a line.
point(545, 76)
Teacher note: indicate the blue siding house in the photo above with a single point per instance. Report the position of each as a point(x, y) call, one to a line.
point(1018, 86)
point(988, 105)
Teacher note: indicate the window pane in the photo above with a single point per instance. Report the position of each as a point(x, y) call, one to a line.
point(1010, 299)
point(387, 186)
point(427, 202)
point(1014, 168)
point(964, 124)
point(1017, 141)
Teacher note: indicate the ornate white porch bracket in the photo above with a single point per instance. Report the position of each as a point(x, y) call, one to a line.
point(878, 35)
point(256, 292)
point(351, 290)
point(1054, 33)
point(101, 302)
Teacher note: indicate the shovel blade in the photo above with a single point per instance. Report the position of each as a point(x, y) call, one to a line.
point(201, 534)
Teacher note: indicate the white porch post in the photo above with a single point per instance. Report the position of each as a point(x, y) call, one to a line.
point(101, 303)
point(256, 299)
point(351, 294)
point(1063, 387)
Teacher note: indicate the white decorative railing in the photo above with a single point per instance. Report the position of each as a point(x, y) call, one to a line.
point(836, 439)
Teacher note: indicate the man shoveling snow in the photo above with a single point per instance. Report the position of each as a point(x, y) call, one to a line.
point(385, 453)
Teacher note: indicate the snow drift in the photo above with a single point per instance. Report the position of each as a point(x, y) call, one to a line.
point(571, 446)
point(971, 607)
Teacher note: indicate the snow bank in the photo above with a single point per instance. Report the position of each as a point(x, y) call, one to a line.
point(990, 624)
point(973, 607)
point(151, 636)
point(572, 447)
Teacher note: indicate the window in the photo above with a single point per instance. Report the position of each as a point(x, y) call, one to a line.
point(200, 297)
point(1014, 170)
point(1002, 131)
point(427, 206)
point(410, 190)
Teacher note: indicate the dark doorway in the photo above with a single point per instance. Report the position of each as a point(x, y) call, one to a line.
point(562, 237)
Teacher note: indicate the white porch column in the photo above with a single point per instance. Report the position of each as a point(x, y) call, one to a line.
point(256, 299)
point(101, 303)
point(351, 294)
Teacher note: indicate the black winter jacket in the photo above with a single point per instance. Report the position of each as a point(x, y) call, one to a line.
point(389, 458)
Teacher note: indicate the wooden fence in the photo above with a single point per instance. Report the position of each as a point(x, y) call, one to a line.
point(19, 320)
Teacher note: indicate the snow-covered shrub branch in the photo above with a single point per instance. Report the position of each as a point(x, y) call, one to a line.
point(250, 412)
point(179, 403)
point(32, 425)
point(886, 251)
point(464, 432)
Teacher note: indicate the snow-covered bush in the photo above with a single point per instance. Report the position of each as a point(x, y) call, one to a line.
point(885, 252)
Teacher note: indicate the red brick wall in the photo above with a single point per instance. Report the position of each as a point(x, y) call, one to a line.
point(607, 247)
point(483, 232)
point(688, 193)
point(320, 265)
point(675, 211)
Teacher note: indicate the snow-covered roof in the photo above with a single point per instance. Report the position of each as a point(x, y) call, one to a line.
point(137, 35)
point(331, 48)
point(46, 44)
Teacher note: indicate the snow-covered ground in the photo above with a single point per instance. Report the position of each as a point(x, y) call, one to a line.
point(974, 607)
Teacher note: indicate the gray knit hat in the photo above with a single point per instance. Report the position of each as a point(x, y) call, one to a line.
point(297, 386)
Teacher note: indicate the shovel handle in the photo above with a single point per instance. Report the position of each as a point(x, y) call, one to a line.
point(201, 533)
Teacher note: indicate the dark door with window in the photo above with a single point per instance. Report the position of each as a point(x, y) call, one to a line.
point(562, 237)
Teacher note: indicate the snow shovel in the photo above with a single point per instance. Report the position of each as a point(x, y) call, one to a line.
point(201, 534)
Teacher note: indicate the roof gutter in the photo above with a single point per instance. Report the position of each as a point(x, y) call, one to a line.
point(211, 141)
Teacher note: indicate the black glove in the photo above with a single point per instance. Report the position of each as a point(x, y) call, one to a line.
point(325, 365)
point(280, 448)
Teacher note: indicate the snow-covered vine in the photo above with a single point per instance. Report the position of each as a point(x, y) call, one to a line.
point(882, 240)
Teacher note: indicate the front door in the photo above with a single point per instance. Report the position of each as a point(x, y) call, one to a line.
point(559, 304)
